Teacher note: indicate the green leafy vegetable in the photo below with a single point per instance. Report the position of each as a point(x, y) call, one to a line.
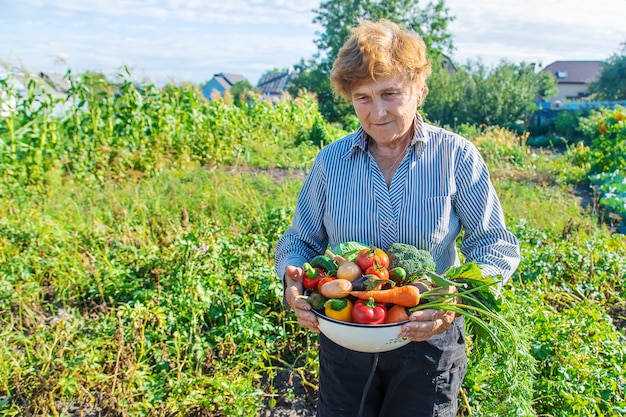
point(348, 250)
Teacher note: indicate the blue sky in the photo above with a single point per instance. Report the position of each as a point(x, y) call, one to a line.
point(190, 40)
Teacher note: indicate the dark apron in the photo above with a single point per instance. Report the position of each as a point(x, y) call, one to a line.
point(421, 379)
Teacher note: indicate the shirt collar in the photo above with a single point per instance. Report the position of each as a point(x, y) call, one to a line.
point(421, 130)
point(421, 135)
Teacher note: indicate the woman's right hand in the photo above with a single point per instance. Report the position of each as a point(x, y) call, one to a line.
point(294, 289)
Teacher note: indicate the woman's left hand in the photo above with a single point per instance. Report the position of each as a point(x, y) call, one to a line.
point(425, 324)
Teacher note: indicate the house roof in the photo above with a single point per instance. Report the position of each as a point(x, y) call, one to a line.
point(275, 82)
point(55, 84)
point(58, 81)
point(227, 80)
point(574, 72)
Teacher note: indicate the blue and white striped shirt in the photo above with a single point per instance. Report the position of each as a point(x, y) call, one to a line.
point(441, 187)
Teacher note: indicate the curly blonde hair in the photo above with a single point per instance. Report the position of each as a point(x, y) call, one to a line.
point(378, 49)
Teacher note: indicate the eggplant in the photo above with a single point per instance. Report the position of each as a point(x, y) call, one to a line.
point(370, 282)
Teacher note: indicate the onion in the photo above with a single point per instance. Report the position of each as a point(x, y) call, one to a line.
point(347, 269)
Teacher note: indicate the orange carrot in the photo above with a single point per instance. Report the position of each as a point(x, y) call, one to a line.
point(406, 296)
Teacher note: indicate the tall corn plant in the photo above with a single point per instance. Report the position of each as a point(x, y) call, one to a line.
point(114, 131)
point(28, 130)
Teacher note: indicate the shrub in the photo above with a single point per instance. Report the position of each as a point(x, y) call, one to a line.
point(498, 144)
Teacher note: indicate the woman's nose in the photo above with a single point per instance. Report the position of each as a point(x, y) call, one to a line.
point(378, 107)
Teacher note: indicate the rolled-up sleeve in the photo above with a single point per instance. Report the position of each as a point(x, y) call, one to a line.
point(486, 239)
point(306, 237)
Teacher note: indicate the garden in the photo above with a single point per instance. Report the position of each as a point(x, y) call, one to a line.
point(137, 234)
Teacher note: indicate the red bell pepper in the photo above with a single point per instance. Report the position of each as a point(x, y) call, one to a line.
point(312, 276)
point(369, 312)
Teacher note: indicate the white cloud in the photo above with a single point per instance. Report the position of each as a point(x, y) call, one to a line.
point(537, 30)
point(236, 12)
point(193, 39)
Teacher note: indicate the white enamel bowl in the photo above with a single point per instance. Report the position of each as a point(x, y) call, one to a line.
point(362, 337)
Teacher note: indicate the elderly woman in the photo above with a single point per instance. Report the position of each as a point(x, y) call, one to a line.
point(396, 179)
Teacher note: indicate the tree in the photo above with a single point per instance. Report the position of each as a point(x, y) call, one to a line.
point(611, 84)
point(242, 91)
point(505, 95)
point(275, 71)
point(338, 17)
point(475, 94)
point(313, 77)
point(446, 92)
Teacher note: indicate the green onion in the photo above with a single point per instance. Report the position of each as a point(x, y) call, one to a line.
point(479, 304)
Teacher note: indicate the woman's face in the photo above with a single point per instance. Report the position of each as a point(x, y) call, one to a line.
point(386, 108)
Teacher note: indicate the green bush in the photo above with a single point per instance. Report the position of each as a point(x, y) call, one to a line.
point(498, 145)
point(133, 130)
point(605, 133)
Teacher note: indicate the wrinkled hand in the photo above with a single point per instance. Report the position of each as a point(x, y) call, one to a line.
point(426, 323)
point(301, 307)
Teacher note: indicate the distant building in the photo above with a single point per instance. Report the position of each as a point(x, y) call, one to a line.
point(573, 79)
point(447, 63)
point(53, 84)
point(57, 85)
point(221, 83)
point(274, 85)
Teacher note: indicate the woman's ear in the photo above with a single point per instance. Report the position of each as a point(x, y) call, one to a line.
point(422, 95)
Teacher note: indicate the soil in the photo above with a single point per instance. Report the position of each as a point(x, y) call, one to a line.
point(292, 398)
point(278, 175)
point(618, 314)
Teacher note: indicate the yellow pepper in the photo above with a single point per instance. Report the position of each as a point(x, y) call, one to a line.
point(338, 309)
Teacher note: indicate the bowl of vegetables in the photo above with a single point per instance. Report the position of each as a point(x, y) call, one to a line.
point(362, 295)
point(362, 337)
point(359, 298)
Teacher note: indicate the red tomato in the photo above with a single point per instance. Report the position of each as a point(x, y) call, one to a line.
point(378, 270)
point(371, 256)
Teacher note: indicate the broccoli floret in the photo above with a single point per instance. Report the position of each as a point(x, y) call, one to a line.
point(410, 258)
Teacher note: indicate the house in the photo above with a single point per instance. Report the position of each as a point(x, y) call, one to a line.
point(573, 79)
point(54, 85)
point(220, 83)
point(274, 84)
point(447, 64)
